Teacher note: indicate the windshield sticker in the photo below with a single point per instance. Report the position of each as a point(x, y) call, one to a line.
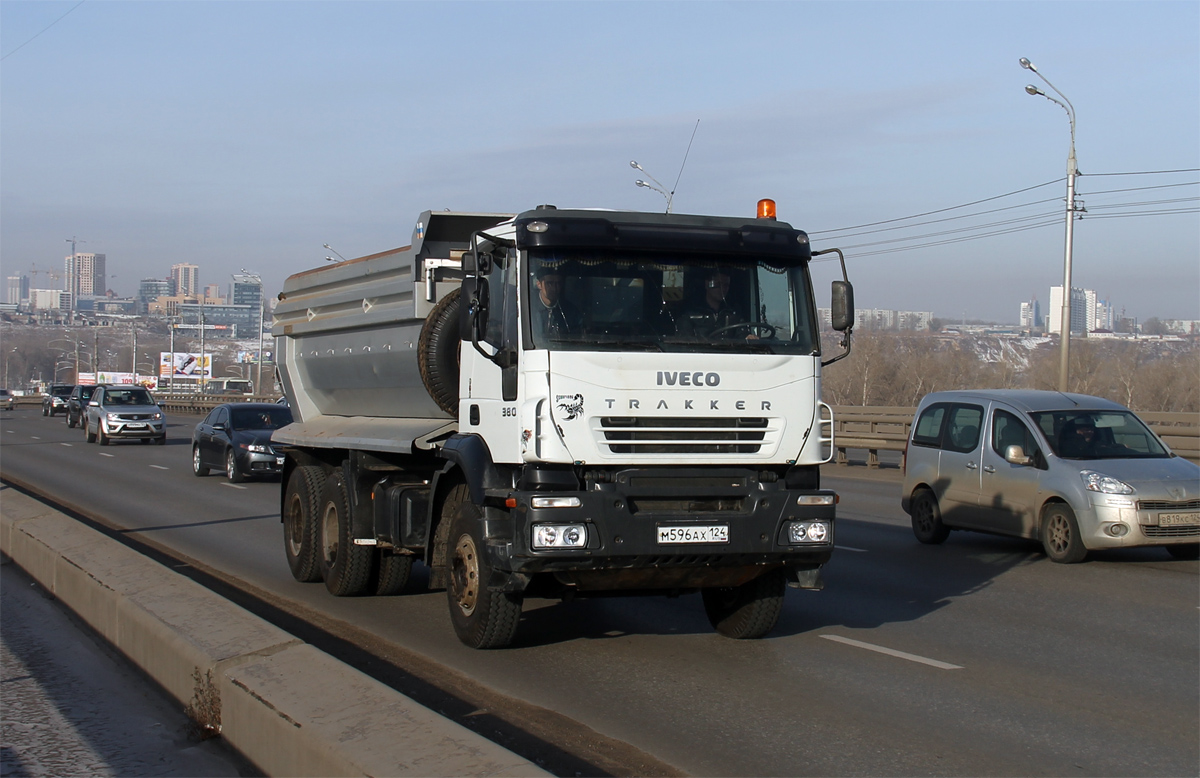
point(571, 405)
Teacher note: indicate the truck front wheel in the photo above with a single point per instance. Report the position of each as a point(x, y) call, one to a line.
point(482, 618)
point(346, 567)
point(748, 611)
point(300, 536)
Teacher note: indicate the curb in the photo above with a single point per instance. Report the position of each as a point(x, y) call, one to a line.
point(288, 707)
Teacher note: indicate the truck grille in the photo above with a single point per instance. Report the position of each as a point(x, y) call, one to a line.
point(677, 435)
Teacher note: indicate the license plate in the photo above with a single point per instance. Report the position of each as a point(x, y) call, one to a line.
point(135, 426)
point(1172, 519)
point(709, 533)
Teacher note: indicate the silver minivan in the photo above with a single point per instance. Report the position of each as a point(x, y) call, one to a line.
point(1076, 472)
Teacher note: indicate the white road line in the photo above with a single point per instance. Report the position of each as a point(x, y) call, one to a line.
point(851, 548)
point(68, 445)
point(232, 486)
point(893, 652)
point(35, 437)
point(106, 455)
point(160, 467)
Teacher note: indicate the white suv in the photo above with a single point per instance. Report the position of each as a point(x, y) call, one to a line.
point(1073, 471)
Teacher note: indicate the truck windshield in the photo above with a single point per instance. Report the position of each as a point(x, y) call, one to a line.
point(612, 301)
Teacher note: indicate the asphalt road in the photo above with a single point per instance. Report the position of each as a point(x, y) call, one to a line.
point(975, 657)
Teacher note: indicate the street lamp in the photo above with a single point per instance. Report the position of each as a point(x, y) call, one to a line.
point(8, 354)
point(662, 190)
point(1072, 171)
point(329, 259)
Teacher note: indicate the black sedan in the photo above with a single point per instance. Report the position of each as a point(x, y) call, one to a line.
point(236, 438)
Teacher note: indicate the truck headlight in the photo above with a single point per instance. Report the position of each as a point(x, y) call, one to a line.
point(559, 536)
point(1105, 484)
point(808, 532)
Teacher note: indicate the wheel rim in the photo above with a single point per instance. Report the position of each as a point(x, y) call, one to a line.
point(464, 575)
point(329, 535)
point(230, 466)
point(924, 516)
point(196, 459)
point(1059, 533)
point(294, 522)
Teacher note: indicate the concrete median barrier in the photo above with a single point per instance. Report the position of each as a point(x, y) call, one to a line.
point(287, 706)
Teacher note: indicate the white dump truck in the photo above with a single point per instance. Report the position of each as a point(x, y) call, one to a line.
point(562, 403)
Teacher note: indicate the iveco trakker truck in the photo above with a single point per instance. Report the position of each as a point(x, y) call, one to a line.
point(558, 404)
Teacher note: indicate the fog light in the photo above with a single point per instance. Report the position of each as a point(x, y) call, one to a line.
point(559, 536)
point(1117, 530)
point(555, 502)
point(808, 532)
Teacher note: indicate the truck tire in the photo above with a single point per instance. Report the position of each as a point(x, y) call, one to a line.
point(748, 611)
point(300, 537)
point(389, 574)
point(482, 618)
point(346, 567)
point(437, 352)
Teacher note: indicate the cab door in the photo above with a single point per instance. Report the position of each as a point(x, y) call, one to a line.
point(1010, 493)
point(959, 465)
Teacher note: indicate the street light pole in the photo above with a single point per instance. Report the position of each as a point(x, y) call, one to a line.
point(1072, 171)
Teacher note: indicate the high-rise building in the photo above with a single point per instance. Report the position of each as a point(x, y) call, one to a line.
point(17, 290)
point(85, 275)
point(186, 278)
point(1079, 311)
point(1031, 314)
point(149, 290)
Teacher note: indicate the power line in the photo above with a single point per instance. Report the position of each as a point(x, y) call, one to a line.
point(1145, 172)
point(31, 40)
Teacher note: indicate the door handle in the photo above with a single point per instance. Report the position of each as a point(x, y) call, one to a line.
point(989, 469)
point(972, 466)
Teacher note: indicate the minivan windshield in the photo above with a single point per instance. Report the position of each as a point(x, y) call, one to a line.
point(1093, 434)
point(611, 300)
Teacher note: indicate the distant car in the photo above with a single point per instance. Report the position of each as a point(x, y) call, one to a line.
point(236, 438)
point(55, 401)
point(1076, 472)
point(6, 399)
point(128, 412)
point(77, 402)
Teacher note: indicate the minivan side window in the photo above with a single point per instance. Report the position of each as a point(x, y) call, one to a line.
point(962, 429)
point(1009, 430)
point(928, 431)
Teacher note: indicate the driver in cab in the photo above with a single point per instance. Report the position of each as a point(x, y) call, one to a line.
point(713, 315)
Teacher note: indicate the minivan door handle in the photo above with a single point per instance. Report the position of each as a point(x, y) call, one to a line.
point(989, 469)
point(972, 466)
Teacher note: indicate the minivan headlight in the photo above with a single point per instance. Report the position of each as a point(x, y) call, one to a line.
point(1105, 484)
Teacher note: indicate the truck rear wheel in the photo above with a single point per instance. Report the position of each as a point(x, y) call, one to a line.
point(300, 522)
point(346, 567)
point(748, 611)
point(437, 352)
point(482, 618)
point(390, 573)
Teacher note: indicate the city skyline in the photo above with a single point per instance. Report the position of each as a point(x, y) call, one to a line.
point(900, 132)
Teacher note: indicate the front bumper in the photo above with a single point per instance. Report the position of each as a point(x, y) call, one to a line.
point(134, 428)
point(262, 463)
point(1112, 522)
point(624, 548)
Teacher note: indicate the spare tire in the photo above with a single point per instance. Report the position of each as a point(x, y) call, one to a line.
point(437, 352)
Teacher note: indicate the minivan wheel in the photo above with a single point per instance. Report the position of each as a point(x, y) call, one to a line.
point(927, 519)
point(1060, 535)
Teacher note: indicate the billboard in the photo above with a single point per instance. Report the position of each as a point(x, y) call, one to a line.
point(184, 365)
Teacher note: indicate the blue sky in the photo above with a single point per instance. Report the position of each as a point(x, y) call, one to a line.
point(247, 134)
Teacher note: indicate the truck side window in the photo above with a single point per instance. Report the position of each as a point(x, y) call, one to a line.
point(502, 307)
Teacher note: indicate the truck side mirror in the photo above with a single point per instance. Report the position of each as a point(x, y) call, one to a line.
point(842, 306)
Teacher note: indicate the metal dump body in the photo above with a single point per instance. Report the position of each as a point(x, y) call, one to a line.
point(347, 336)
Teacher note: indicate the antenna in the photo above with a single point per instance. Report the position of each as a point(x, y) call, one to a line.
point(685, 156)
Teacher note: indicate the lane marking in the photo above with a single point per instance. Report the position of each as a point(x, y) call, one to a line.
point(68, 445)
point(160, 467)
point(232, 486)
point(851, 548)
point(35, 437)
point(106, 455)
point(893, 652)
